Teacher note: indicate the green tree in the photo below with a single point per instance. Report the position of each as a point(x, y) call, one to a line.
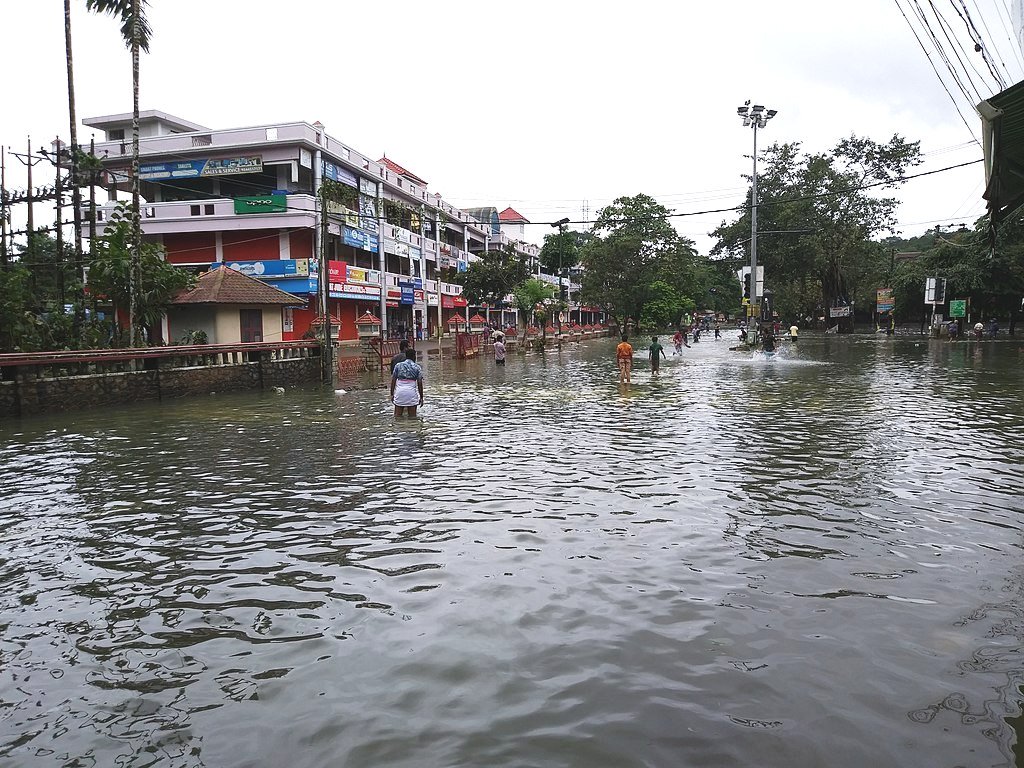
point(663, 307)
point(18, 322)
point(528, 294)
point(493, 276)
point(563, 250)
point(821, 212)
point(634, 247)
point(111, 275)
point(136, 32)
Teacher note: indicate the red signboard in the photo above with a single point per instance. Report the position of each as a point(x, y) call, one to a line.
point(447, 302)
point(336, 271)
point(459, 301)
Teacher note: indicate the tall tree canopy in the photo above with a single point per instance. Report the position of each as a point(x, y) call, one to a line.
point(635, 246)
point(819, 213)
point(494, 276)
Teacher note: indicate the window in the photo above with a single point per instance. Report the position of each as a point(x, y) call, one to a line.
point(208, 209)
point(193, 210)
point(116, 135)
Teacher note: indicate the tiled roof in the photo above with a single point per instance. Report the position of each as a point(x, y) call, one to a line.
point(511, 214)
point(396, 168)
point(227, 286)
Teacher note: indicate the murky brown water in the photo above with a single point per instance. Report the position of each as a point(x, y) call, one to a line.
point(814, 560)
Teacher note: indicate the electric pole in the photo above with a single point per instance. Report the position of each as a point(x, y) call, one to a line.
point(29, 160)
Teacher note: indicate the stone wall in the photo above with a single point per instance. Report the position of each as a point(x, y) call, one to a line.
point(65, 393)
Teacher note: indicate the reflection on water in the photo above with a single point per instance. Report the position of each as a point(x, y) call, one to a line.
point(746, 560)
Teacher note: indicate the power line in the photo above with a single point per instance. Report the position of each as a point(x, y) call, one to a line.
point(936, 71)
point(972, 32)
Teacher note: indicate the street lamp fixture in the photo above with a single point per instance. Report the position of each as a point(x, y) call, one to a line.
point(754, 117)
point(560, 224)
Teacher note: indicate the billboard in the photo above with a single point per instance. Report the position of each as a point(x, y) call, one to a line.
point(191, 169)
point(884, 301)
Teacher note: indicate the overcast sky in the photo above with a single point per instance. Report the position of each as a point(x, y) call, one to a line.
point(549, 107)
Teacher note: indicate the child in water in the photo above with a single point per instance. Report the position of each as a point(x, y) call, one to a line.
point(655, 349)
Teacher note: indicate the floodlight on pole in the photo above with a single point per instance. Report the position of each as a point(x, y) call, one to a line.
point(754, 117)
point(560, 224)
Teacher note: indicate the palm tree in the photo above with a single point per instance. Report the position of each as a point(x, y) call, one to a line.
point(136, 32)
point(76, 190)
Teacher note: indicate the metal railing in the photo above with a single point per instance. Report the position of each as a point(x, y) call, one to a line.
point(91, 361)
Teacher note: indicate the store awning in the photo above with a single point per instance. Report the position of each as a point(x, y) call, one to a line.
point(1002, 119)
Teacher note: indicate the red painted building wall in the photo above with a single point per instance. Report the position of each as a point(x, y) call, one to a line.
point(301, 244)
point(251, 245)
point(191, 247)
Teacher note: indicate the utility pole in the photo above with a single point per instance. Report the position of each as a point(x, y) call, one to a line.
point(561, 244)
point(76, 191)
point(59, 193)
point(3, 207)
point(29, 160)
point(325, 288)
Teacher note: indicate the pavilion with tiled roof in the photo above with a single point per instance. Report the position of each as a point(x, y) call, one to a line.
point(228, 286)
point(230, 307)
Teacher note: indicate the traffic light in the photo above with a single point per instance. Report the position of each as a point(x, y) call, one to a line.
point(940, 290)
point(563, 292)
point(746, 286)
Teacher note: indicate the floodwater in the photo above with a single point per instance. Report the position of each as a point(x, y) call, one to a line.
point(805, 561)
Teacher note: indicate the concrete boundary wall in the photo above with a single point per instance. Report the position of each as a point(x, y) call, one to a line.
point(27, 396)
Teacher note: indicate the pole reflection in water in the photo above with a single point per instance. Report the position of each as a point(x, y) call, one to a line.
point(547, 569)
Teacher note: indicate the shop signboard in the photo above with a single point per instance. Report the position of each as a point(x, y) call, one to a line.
point(190, 169)
point(402, 249)
point(296, 286)
point(339, 174)
point(884, 301)
point(368, 187)
point(271, 268)
point(839, 311)
point(362, 240)
point(459, 301)
point(463, 266)
point(337, 271)
point(418, 296)
point(350, 291)
point(261, 204)
point(432, 299)
point(368, 213)
point(408, 295)
point(359, 275)
point(411, 282)
point(447, 302)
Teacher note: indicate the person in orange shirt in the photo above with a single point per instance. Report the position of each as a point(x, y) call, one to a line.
point(624, 357)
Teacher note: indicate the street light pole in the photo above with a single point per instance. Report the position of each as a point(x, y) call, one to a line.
point(754, 117)
point(561, 244)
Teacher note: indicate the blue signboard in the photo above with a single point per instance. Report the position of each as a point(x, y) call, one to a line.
point(408, 295)
point(270, 268)
point(190, 169)
point(410, 283)
point(359, 239)
point(300, 287)
point(337, 173)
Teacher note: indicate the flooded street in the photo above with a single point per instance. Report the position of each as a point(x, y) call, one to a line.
point(812, 560)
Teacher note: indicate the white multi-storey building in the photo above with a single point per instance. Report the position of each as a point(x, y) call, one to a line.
point(247, 198)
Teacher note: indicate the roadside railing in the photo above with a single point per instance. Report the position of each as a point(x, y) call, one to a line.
point(91, 361)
